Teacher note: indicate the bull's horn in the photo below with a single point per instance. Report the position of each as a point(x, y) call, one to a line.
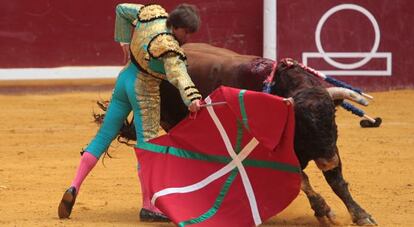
point(344, 93)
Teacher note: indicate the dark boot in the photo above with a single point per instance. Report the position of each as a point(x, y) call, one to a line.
point(67, 202)
point(146, 215)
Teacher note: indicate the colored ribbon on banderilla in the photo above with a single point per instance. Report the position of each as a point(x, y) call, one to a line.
point(337, 83)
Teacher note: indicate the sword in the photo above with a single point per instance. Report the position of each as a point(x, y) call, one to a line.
point(213, 104)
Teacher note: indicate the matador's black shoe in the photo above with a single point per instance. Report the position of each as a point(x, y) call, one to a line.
point(146, 215)
point(67, 202)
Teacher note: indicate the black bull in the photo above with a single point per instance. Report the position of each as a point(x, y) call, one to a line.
point(315, 130)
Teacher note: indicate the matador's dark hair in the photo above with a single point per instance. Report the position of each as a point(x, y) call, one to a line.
point(184, 16)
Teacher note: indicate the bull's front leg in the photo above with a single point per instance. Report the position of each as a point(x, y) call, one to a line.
point(322, 211)
point(340, 187)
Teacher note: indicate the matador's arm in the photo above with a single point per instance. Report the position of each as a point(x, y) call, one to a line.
point(126, 14)
point(176, 72)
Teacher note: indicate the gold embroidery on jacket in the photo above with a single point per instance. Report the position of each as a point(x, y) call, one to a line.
point(151, 12)
point(140, 40)
point(165, 43)
point(148, 97)
point(178, 76)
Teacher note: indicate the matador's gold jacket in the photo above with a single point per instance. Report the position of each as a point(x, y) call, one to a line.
point(154, 49)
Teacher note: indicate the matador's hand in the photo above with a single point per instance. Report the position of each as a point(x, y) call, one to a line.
point(194, 106)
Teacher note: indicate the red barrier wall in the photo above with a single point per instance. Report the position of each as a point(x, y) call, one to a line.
point(50, 33)
point(350, 30)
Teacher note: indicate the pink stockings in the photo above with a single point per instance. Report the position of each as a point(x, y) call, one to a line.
point(86, 164)
point(88, 161)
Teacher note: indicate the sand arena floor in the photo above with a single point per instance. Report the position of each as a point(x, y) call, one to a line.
point(43, 133)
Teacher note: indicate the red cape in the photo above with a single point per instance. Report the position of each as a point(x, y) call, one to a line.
point(233, 165)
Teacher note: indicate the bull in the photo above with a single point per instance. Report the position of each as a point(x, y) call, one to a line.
point(315, 127)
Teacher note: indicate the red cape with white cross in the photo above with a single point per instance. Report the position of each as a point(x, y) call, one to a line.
point(233, 165)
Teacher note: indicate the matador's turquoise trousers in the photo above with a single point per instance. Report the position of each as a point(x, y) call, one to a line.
point(138, 92)
point(134, 91)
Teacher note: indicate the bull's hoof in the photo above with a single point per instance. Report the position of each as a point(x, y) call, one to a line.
point(328, 220)
point(367, 124)
point(368, 221)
